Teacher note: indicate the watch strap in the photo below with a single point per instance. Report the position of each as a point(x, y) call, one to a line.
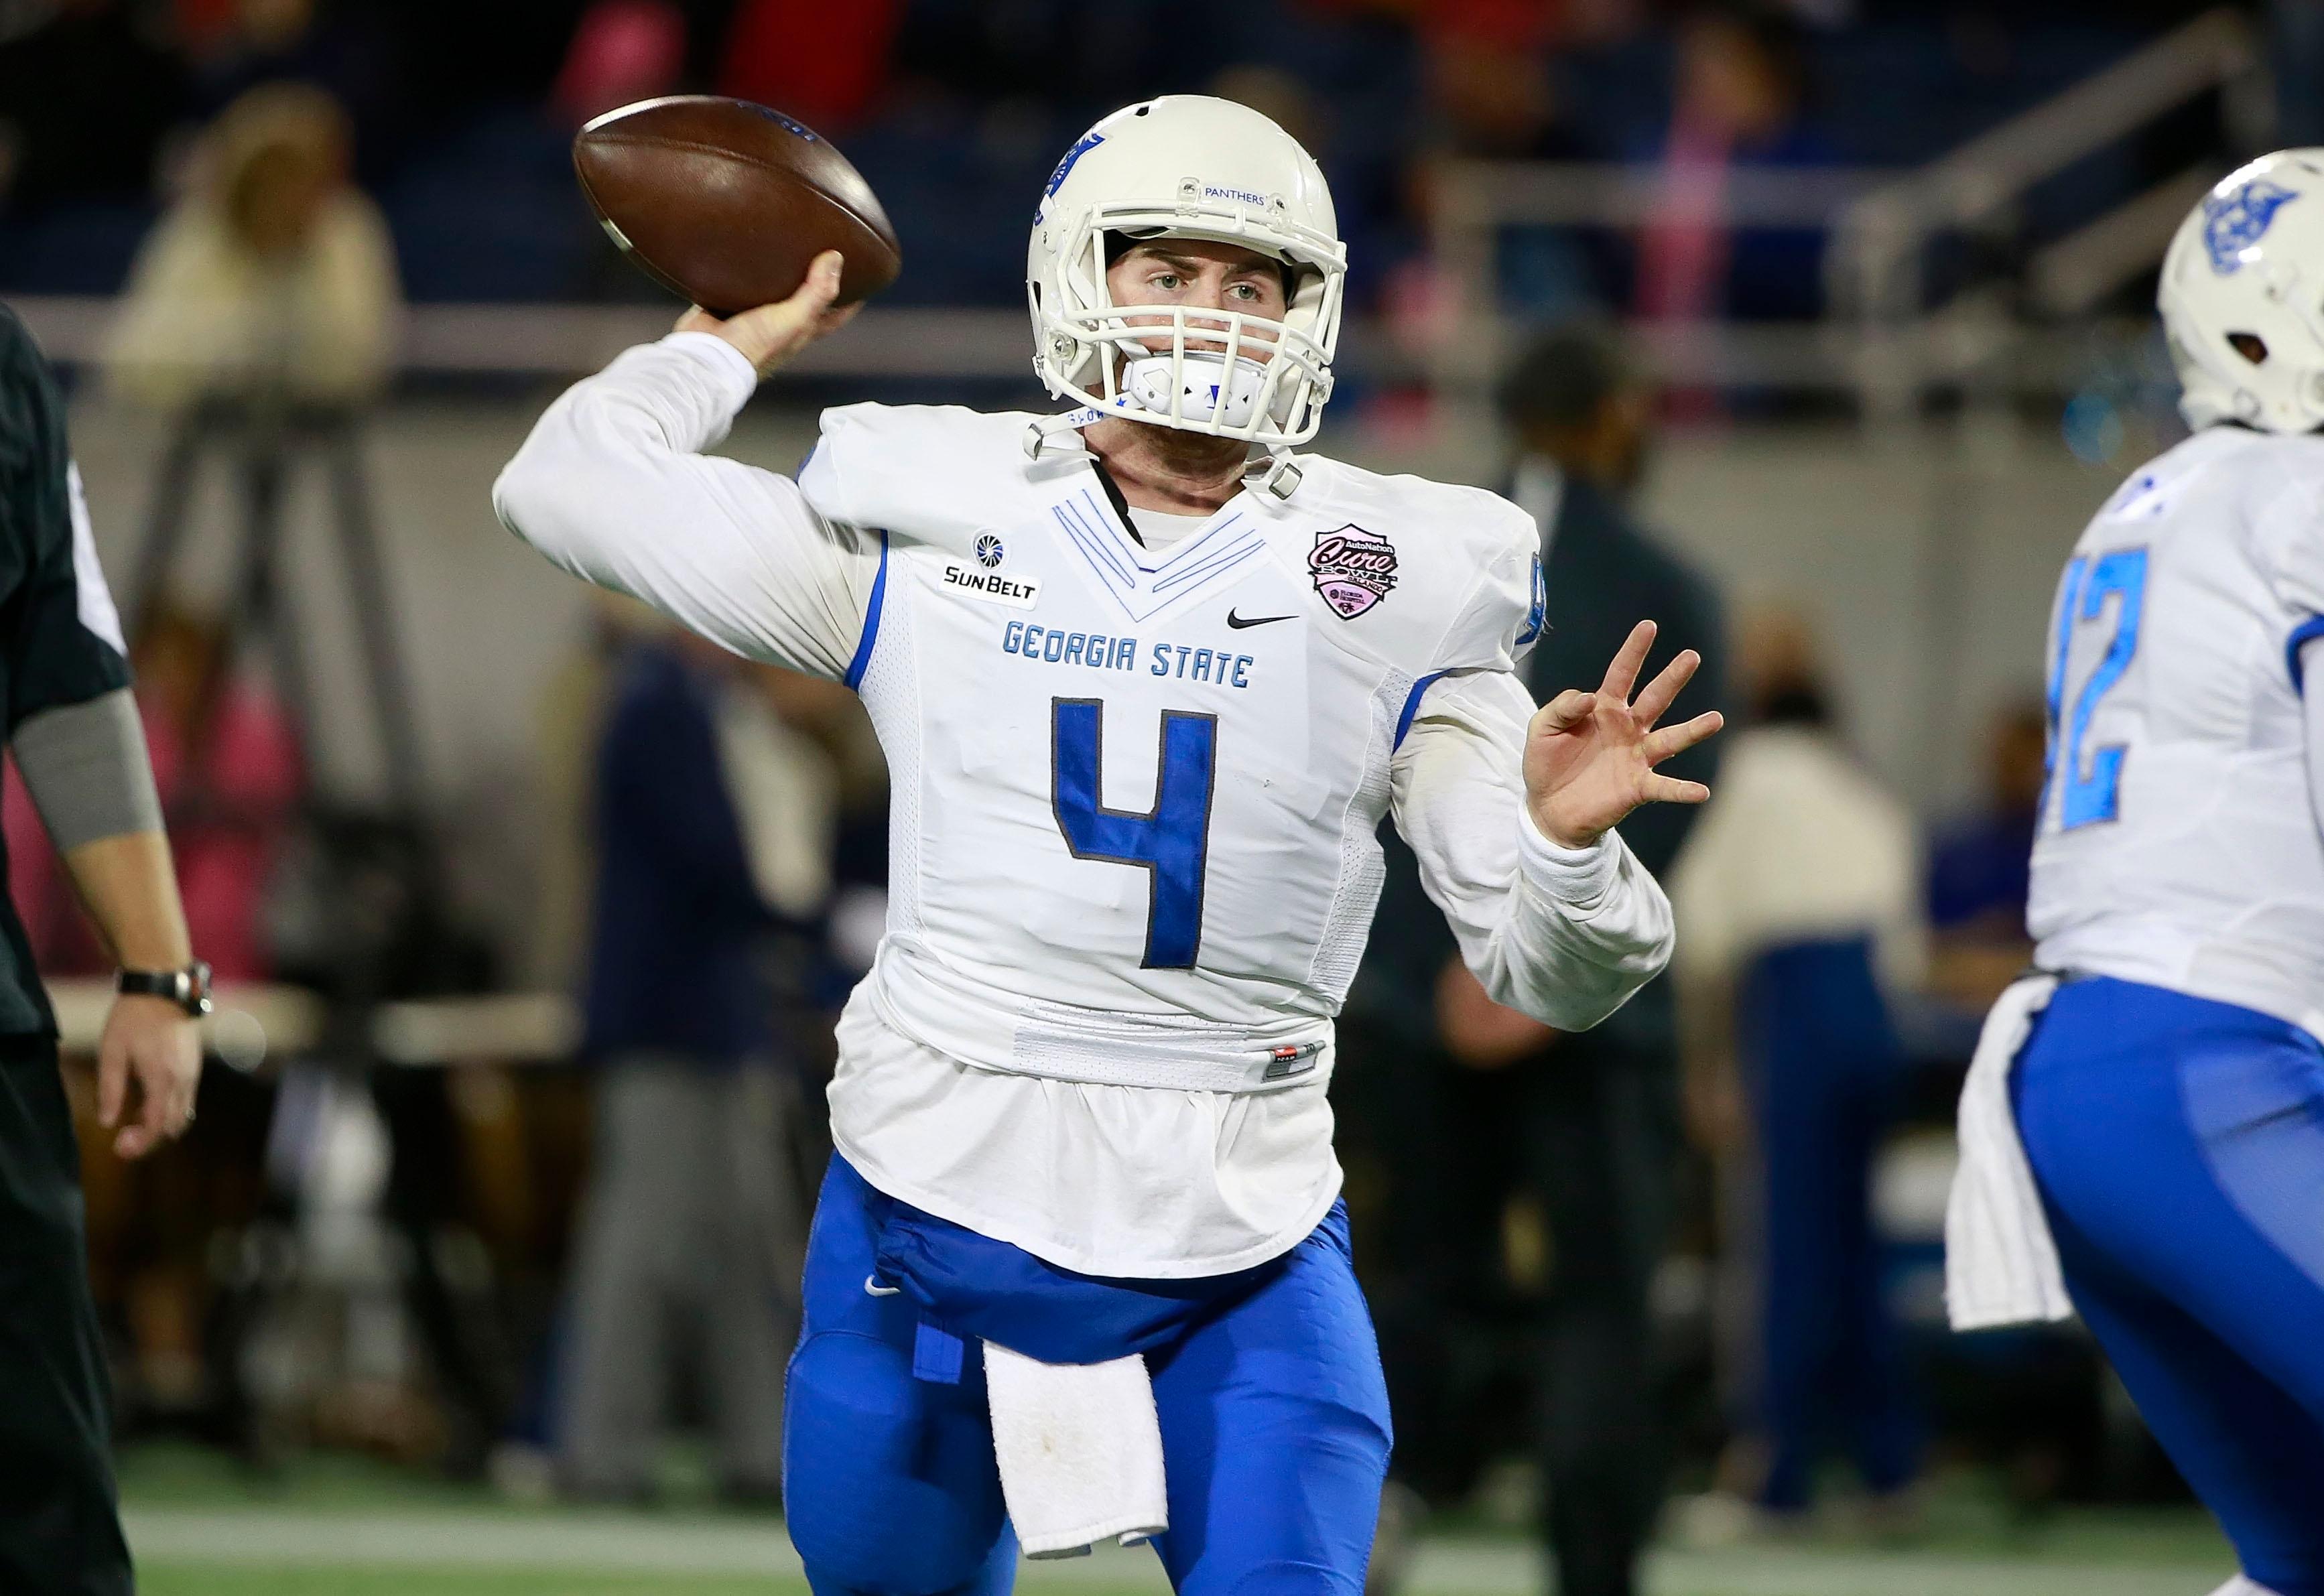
point(189, 988)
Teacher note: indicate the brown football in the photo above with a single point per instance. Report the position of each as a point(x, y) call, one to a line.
point(727, 203)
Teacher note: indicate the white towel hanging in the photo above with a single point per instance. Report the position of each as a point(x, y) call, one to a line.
point(2001, 1263)
point(1079, 1449)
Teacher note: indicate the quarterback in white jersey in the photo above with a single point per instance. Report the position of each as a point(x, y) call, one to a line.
point(2167, 1097)
point(1146, 682)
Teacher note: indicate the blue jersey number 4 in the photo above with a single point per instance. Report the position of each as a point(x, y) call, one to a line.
point(2090, 789)
point(1171, 842)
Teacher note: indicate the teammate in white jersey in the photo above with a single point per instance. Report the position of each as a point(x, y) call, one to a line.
point(2170, 1101)
point(1146, 682)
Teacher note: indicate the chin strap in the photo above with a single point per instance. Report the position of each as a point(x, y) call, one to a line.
point(1277, 473)
point(1049, 430)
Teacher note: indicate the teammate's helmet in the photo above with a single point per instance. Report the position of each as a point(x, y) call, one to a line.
point(2242, 298)
point(1188, 166)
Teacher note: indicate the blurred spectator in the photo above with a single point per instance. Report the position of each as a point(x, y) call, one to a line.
point(715, 826)
point(824, 64)
point(1739, 100)
point(342, 49)
point(1978, 870)
point(623, 51)
point(1605, 1112)
point(1798, 904)
point(1582, 1130)
point(274, 276)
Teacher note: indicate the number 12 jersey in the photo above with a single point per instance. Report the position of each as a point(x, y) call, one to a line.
point(2178, 842)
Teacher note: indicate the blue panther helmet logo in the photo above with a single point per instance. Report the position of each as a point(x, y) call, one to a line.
point(2235, 221)
point(989, 552)
point(1090, 140)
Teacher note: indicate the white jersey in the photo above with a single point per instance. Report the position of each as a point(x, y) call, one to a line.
point(1134, 791)
point(2177, 845)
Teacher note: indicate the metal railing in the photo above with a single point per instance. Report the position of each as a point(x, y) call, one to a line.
point(559, 340)
point(1885, 338)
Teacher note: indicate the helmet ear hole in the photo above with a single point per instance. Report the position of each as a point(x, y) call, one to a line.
point(2250, 346)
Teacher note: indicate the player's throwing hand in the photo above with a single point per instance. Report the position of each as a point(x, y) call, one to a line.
point(772, 334)
point(1589, 758)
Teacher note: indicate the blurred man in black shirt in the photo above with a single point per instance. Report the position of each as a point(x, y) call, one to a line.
point(73, 729)
point(1481, 1105)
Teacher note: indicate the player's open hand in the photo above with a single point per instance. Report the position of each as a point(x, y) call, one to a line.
point(772, 334)
point(1589, 758)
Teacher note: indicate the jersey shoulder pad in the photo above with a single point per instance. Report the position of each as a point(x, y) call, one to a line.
point(1468, 593)
point(923, 471)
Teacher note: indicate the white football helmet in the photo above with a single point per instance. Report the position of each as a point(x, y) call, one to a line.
point(1188, 166)
point(2242, 298)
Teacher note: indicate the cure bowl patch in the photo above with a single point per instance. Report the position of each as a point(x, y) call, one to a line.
point(1354, 569)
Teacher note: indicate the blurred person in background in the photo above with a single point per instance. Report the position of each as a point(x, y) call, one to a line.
point(1580, 1127)
point(273, 279)
point(1740, 99)
point(714, 826)
point(1606, 1103)
point(824, 64)
point(1799, 896)
point(342, 48)
point(72, 727)
point(622, 50)
point(1979, 869)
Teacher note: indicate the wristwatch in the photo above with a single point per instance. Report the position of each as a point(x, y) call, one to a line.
point(189, 988)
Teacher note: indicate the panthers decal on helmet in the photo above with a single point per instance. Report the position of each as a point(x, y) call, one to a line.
point(2235, 221)
point(1088, 140)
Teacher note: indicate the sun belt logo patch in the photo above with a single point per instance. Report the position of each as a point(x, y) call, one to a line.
point(1354, 569)
point(2235, 221)
point(989, 551)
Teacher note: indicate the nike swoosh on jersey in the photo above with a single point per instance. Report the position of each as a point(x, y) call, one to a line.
point(1238, 622)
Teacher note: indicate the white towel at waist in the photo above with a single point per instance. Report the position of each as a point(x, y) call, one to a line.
point(1079, 1449)
point(2001, 1265)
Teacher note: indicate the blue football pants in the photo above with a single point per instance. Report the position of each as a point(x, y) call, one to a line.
point(1274, 1411)
point(2179, 1144)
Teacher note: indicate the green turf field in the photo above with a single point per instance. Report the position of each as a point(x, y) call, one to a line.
point(340, 1526)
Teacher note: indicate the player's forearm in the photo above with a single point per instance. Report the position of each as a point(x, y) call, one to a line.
point(86, 766)
point(1579, 931)
point(1564, 935)
point(131, 890)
